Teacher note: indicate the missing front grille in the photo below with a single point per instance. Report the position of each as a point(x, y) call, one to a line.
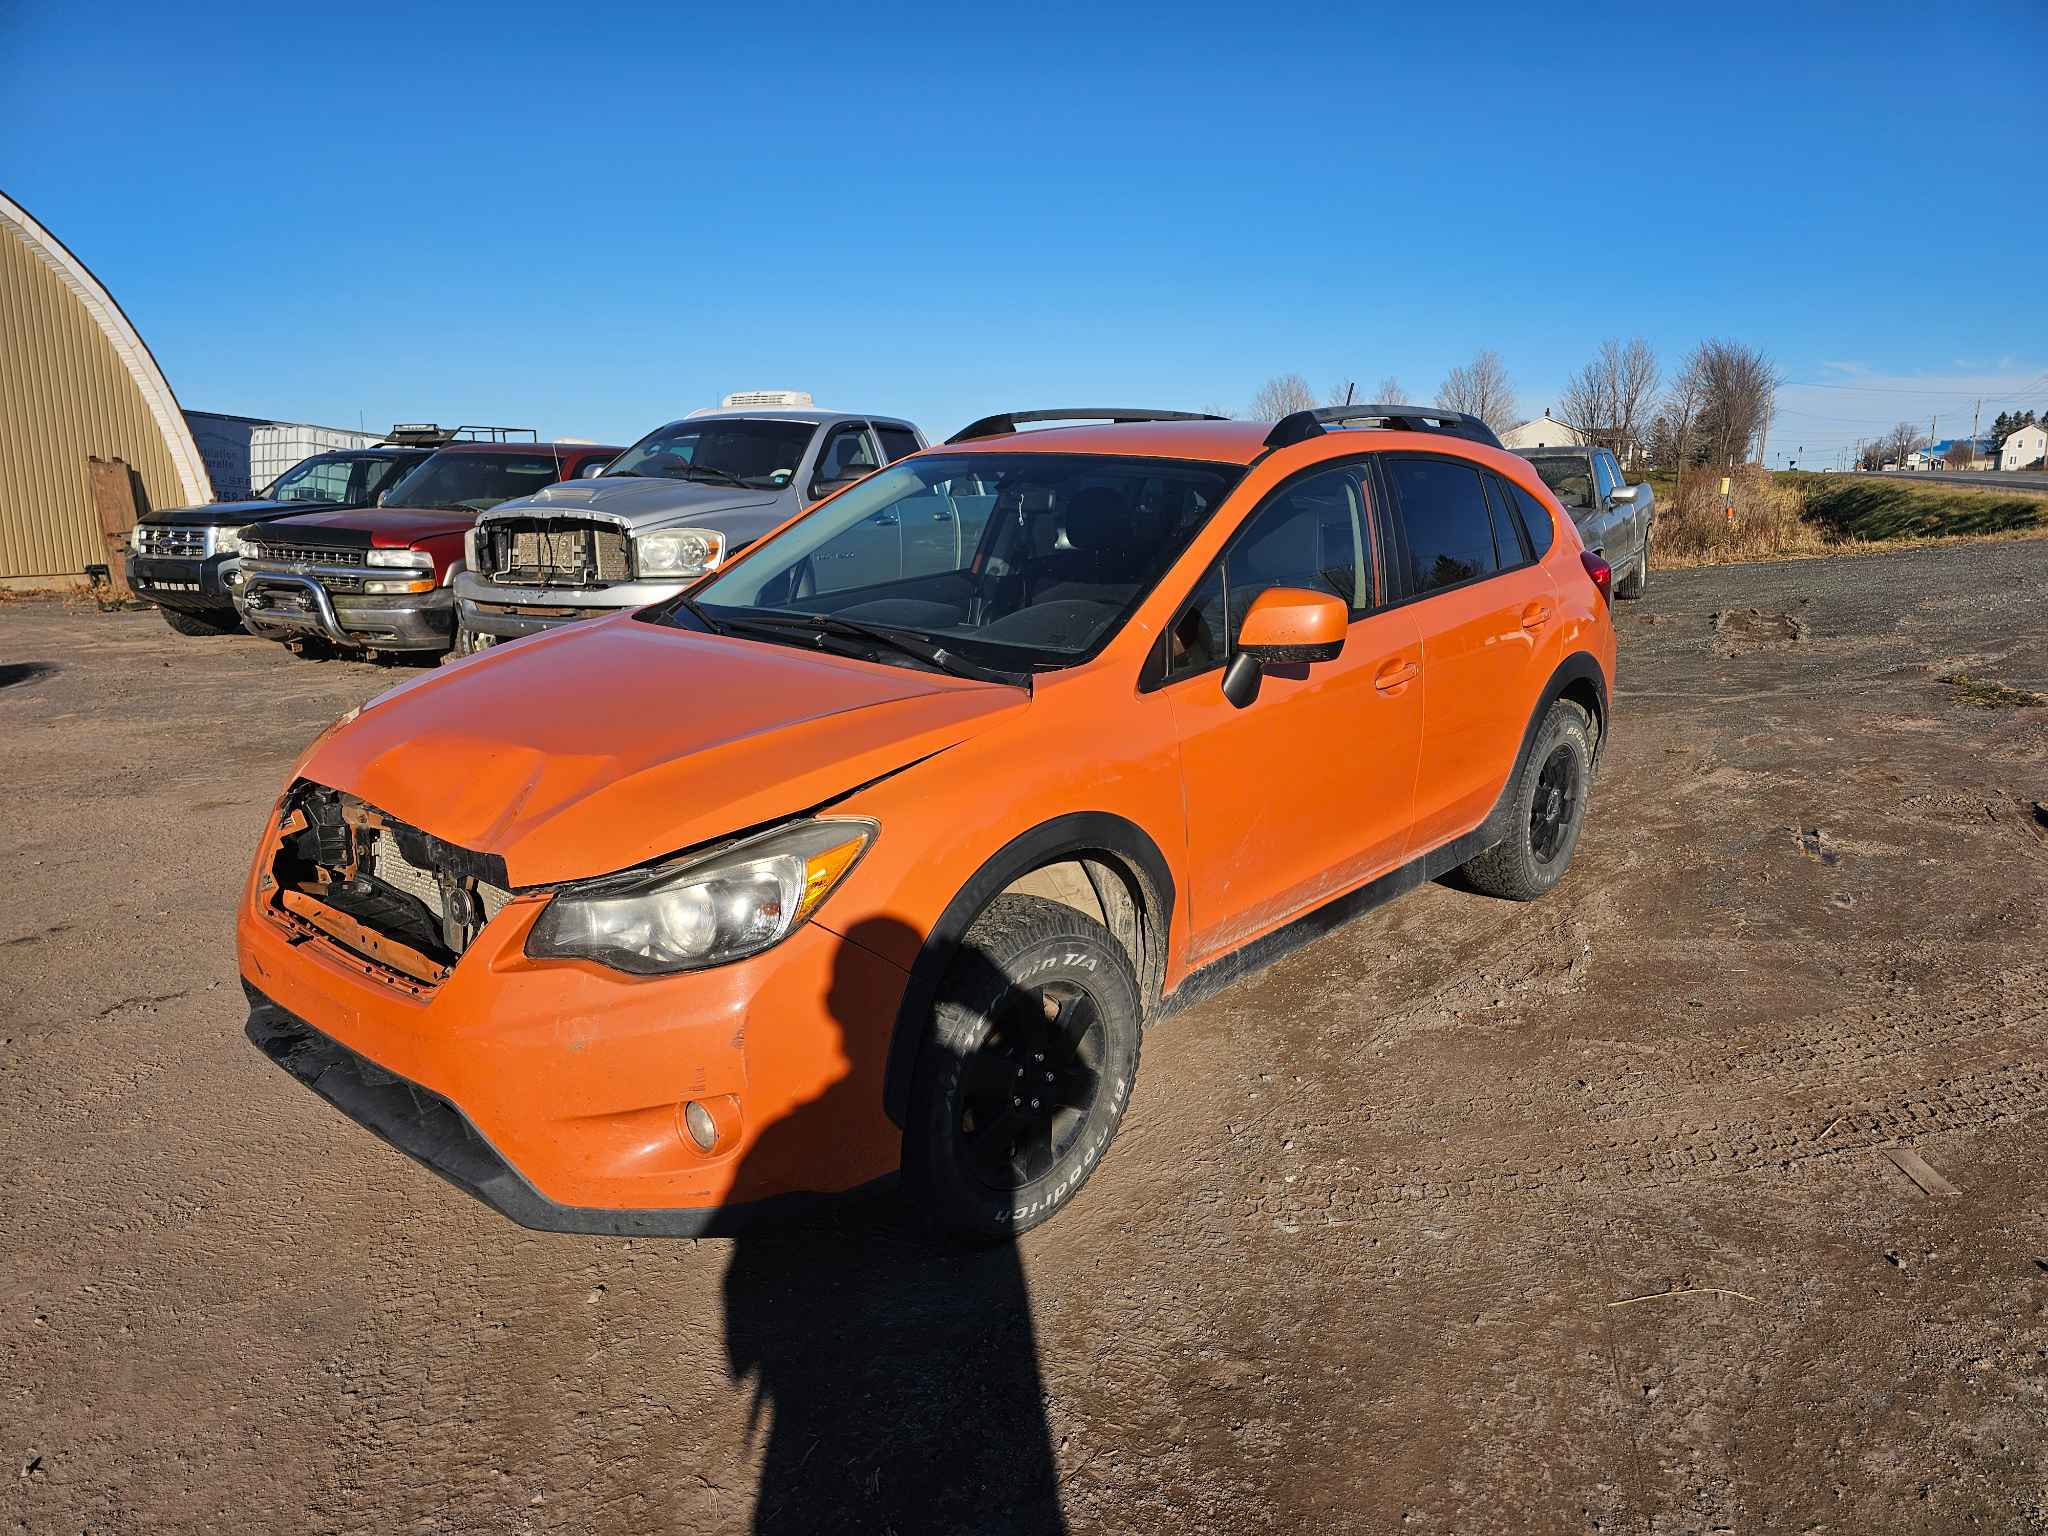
point(555, 552)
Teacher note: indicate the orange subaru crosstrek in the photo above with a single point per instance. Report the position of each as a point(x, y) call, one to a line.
point(876, 851)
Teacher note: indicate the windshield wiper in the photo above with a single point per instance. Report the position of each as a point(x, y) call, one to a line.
point(909, 643)
point(692, 471)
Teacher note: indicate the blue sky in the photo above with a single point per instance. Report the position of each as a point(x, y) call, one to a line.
point(591, 220)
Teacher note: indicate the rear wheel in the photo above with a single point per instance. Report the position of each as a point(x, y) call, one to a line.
point(1546, 809)
point(200, 624)
point(1022, 1083)
point(1639, 578)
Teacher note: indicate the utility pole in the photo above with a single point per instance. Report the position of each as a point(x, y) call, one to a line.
point(1975, 413)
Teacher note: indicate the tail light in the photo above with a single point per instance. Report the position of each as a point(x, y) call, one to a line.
point(1601, 572)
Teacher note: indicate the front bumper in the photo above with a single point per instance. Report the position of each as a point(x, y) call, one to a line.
point(188, 584)
point(554, 1090)
point(486, 607)
point(287, 604)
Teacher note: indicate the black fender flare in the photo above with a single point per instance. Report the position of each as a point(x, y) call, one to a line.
point(1112, 840)
point(1579, 673)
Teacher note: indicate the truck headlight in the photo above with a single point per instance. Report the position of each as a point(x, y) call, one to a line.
point(135, 539)
point(710, 910)
point(228, 541)
point(408, 559)
point(678, 552)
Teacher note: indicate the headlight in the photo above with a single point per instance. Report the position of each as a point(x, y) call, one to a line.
point(228, 541)
point(719, 907)
point(410, 559)
point(135, 538)
point(678, 552)
point(469, 550)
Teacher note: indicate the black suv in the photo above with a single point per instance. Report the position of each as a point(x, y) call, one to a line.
point(180, 558)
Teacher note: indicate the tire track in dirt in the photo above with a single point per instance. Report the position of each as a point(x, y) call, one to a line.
point(1632, 1157)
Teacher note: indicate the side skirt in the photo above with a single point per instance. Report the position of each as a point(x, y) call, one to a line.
point(1222, 972)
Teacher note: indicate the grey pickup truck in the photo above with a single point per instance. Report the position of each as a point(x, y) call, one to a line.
point(1613, 517)
point(672, 507)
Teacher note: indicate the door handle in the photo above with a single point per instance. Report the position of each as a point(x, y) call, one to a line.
point(1536, 615)
point(1395, 675)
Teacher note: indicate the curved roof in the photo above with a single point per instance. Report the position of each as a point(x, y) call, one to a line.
point(128, 346)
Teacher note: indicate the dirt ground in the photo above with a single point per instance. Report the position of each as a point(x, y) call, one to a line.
point(1577, 1216)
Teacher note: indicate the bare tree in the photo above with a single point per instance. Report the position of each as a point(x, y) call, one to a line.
point(1738, 387)
point(1895, 447)
point(1679, 415)
point(1481, 388)
point(1609, 401)
point(1961, 454)
point(1390, 391)
point(1282, 395)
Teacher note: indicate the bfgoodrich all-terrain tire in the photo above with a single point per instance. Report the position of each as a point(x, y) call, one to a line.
point(1023, 1079)
point(199, 623)
point(1546, 809)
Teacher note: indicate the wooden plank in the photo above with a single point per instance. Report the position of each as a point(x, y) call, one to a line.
point(113, 501)
point(1915, 1167)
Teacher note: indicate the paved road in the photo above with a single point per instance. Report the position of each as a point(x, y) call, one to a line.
point(2025, 480)
point(1470, 1217)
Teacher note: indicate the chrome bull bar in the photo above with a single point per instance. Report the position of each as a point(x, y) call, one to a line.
point(321, 619)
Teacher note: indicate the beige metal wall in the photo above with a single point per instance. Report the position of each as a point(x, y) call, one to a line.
point(65, 394)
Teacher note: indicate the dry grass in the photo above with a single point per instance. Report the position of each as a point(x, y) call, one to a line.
point(1802, 516)
point(1759, 519)
point(1986, 694)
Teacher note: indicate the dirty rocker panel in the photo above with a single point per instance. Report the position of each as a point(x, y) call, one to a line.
point(437, 1134)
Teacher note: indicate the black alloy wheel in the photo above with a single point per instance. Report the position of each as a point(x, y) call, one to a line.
point(1554, 808)
point(1026, 1093)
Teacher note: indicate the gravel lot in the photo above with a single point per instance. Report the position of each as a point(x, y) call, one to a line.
point(1367, 1255)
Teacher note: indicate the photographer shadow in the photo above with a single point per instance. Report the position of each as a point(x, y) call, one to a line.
point(896, 1373)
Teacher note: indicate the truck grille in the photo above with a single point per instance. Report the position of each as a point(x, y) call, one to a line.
point(306, 554)
point(178, 543)
point(553, 552)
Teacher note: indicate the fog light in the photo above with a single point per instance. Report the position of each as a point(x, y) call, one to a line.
point(702, 1128)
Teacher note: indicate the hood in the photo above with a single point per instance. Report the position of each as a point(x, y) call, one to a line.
point(216, 514)
point(372, 527)
point(639, 500)
point(602, 745)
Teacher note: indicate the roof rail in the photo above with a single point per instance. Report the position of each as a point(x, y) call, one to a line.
point(1003, 425)
point(428, 434)
point(1303, 425)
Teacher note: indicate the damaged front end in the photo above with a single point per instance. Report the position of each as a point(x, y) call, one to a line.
point(402, 902)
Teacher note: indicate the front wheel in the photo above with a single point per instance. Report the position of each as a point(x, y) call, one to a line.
point(1023, 1080)
point(1546, 809)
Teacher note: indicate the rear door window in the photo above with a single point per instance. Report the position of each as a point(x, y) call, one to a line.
point(1442, 507)
point(897, 442)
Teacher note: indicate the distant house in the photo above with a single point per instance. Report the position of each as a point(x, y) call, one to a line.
point(1543, 432)
point(2025, 448)
point(1935, 455)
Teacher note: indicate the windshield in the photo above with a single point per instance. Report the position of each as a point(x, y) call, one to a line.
point(1020, 559)
point(762, 454)
point(474, 481)
point(350, 478)
point(1569, 480)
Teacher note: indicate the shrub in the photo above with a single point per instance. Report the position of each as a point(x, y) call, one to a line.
point(1768, 521)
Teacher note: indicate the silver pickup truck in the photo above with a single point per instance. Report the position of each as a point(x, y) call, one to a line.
point(670, 508)
point(1613, 517)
